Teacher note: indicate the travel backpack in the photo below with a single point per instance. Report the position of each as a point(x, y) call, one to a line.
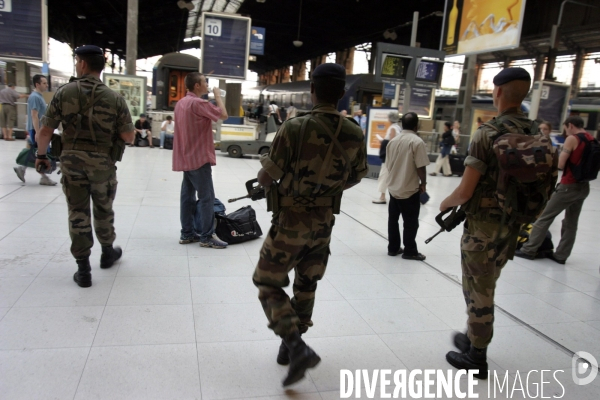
point(526, 170)
point(587, 169)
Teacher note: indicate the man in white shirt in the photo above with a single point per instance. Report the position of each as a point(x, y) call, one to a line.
point(406, 159)
point(166, 130)
point(291, 111)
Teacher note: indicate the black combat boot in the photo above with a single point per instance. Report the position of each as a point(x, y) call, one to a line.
point(83, 277)
point(462, 342)
point(473, 359)
point(301, 356)
point(109, 256)
point(283, 357)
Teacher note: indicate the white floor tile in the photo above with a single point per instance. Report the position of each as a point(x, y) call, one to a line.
point(366, 287)
point(251, 363)
point(221, 265)
point(12, 288)
point(63, 292)
point(528, 308)
point(231, 323)
point(397, 315)
point(153, 266)
point(576, 304)
point(21, 266)
point(337, 318)
point(211, 290)
point(349, 265)
point(129, 291)
point(425, 285)
point(41, 373)
point(141, 372)
point(149, 324)
point(397, 265)
point(576, 336)
point(49, 327)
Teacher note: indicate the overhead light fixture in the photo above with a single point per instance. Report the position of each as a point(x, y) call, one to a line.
point(260, 1)
point(185, 4)
point(111, 42)
point(81, 16)
point(390, 34)
point(99, 32)
point(298, 42)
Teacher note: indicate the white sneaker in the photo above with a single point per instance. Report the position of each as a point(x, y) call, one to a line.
point(20, 171)
point(44, 180)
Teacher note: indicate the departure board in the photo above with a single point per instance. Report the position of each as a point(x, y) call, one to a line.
point(429, 71)
point(394, 67)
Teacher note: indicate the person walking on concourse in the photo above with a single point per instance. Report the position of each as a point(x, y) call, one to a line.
point(569, 195)
point(194, 154)
point(313, 159)
point(489, 240)
point(93, 117)
point(406, 159)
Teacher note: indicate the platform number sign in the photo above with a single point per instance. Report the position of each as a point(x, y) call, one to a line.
point(212, 27)
point(5, 5)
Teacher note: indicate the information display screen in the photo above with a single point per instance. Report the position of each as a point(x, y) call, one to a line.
point(225, 46)
point(429, 71)
point(21, 32)
point(394, 67)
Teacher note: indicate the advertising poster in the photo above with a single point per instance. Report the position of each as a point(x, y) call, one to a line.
point(377, 128)
point(481, 116)
point(133, 90)
point(257, 41)
point(420, 101)
point(482, 26)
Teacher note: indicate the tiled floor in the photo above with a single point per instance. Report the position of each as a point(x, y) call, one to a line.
point(174, 322)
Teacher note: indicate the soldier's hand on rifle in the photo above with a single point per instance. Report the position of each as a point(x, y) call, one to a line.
point(264, 179)
point(42, 163)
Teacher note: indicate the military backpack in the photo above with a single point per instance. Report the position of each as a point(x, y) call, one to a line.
point(525, 170)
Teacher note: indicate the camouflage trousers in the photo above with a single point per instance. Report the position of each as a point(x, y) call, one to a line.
point(85, 175)
point(298, 241)
point(485, 249)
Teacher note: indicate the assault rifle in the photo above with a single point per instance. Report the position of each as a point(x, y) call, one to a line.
point(255, 191)
point(451, 221)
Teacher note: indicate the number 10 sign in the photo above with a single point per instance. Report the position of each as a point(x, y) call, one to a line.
point(212, 27)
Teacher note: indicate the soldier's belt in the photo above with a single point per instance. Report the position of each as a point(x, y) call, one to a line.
point(488, 202)
point(306, 201)
point(87, 147)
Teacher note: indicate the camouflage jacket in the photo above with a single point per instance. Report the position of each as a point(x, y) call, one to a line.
point(482, 158)
point(280, 163)
point(110, 115)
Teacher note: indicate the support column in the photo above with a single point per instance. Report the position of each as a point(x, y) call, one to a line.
point(577, 70)
point(539, 67)
point(299, 70)
point(132, 36)
point(233, 99)
point(346, 58)
point(463, 111)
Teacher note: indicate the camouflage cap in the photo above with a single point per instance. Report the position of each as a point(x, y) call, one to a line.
point(511, 74)
point(330, 71)
point(89, 50)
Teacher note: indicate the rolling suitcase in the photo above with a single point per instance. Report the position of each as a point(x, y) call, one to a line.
point(457, 164)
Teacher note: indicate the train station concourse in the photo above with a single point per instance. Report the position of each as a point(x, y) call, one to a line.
point(173, 321)
point(174, 318)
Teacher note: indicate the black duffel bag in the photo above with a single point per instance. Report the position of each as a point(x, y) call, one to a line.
point(239, 226)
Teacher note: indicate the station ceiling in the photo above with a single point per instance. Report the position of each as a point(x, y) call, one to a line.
point(325, 25)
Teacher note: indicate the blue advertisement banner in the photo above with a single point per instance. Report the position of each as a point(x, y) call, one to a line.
point(389, 91)
point(21, 29)
point(257, 41)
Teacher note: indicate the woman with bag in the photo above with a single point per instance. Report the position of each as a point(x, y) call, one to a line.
point(443, 161)
point(391, 133)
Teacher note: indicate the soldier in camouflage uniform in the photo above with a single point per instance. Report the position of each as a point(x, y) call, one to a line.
point(312, 170)
point(94, 118)
point(486, 244)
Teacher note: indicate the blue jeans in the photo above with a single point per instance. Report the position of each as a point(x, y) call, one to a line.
point(164, 135)
point(197, 217)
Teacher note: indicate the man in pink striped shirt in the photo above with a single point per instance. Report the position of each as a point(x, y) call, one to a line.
point(194, 154)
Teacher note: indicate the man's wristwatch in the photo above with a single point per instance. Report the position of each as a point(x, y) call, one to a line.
point(41, 156)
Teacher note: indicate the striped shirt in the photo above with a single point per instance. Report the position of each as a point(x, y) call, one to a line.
point(193, 144)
